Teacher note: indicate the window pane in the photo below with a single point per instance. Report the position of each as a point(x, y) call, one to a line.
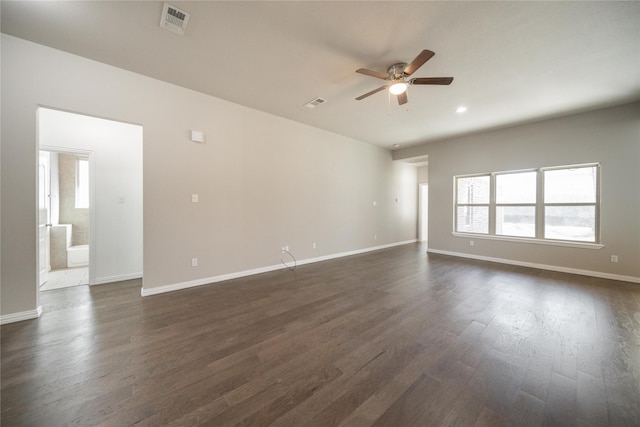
point(473, 190)
point(570, 223)
point(516, 187)
point(570, 185)
point(473, 219)
point(516, 221)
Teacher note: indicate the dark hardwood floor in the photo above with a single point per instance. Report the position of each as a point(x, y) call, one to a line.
point(390, 338)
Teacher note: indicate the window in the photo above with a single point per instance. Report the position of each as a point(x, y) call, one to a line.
point(472, 207)
point(560, 203)
point(82, 183)
point(516, 204)
point(570, 203)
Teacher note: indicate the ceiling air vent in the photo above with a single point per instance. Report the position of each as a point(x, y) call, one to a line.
point(174, 19)
point(314, 103)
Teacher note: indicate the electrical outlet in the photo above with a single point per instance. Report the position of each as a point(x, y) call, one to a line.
point(375, 237)
point(614, 258)
point(314, 245)
point(471, 243)
point(194, 198)
point(194, 262)
point(285, 249)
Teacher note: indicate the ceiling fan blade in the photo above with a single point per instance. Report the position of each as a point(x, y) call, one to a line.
point(423, 57)
point(378, 74)
point(402, 98)
point(431, 81)
point(371, 93)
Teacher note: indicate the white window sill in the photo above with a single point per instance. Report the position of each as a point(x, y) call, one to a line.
point(583, 245)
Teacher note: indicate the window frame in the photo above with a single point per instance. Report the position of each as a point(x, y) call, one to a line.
point(456, 204)
point(540, 206)
point(595, 204)
point(496, 204)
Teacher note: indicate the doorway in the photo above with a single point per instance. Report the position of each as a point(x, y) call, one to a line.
point(99, 178)
point(423, 213)
point(64, 218)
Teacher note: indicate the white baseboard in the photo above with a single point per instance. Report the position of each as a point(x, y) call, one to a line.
point(560, 269)
point(23, 315)
point(145, 292)
point(209, 280)
point(355, 252)
point(118, 278)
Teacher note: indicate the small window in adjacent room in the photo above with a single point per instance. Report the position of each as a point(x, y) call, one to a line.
point(472, 204)
point(82, 183)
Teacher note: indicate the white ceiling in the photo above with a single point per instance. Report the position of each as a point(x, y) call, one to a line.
point(512, 62)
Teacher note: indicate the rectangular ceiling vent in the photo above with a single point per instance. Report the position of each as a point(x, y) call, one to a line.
point(314, 103)
point(174, 19)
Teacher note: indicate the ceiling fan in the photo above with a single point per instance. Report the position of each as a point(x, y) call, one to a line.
point(397, 77)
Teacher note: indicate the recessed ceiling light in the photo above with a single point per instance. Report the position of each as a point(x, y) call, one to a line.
point(461, 109)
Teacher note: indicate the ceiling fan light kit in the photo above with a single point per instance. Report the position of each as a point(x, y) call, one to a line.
point(397, 76)
point(397, 87)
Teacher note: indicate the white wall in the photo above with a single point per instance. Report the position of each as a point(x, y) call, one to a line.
point(263, 181)
point(608, 136)
point(116, 161)
point(423, 174)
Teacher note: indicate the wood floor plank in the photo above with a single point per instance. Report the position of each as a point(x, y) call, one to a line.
point(591, 400)
point(395, 337)
point(383, 397)
point(418, 402)
point(489, 418)
point(560, 405)
point(527, 410)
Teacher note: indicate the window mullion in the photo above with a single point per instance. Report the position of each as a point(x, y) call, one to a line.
point(492, 204)
point(597, 205)
point(540, 204)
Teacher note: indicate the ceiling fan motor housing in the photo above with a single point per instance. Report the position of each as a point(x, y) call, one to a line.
point(396, 71)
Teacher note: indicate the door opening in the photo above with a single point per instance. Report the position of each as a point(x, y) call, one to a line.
point(64, 198)
point(93, 163)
